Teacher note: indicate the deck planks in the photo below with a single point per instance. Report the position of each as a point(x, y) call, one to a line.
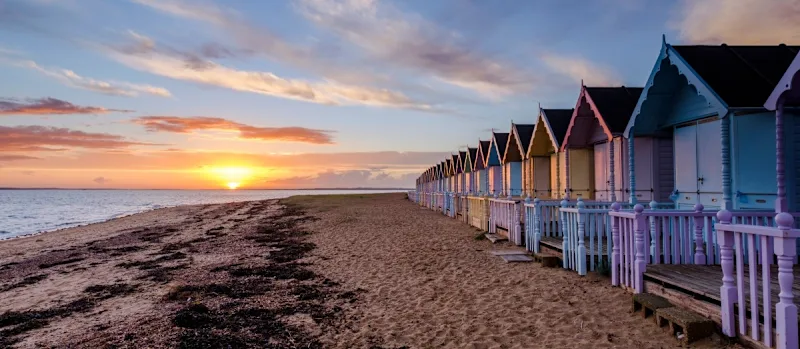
point(556, 243)
point(706, 280)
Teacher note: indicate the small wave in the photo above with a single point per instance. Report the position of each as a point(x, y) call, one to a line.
point(4, 232)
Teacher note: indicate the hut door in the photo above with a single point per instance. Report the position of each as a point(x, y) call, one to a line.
point(541, 177)
point(601, 172)
point(686, 165)
point(709, 162)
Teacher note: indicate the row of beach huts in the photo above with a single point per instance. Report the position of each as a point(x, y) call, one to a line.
point(686, 188)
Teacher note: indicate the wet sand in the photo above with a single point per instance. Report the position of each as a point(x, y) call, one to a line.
point(342, 271)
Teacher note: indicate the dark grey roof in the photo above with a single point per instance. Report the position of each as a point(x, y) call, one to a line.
point(743, 76)
point(502, 140)
point(559, 121)
point(615, 104)
point(525, 132)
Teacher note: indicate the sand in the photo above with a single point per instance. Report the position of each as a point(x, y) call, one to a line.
point(355, 271)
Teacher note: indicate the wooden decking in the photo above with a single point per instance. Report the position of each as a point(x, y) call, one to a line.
point(703, 282)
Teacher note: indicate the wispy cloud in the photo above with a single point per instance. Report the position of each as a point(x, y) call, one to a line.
point(577, 69)
point(49, 106)
point(408, 41)
point(44, 138)
point(196, 123)
point(739, 22)
point(366, 178)
point(101, 180)
point(15, 157)
point(70, 78)
point(144, 56)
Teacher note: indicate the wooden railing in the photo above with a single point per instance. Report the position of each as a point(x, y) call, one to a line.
point(478, 212)
point(541, 220)
point(504, 213)
point(642, 237)
point(585, 230)
point(412, 195)
point(743, 248)
point(450, 203)
point(463, 208)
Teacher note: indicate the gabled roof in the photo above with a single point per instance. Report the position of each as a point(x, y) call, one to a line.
point(500, 140)
point(790, 81)
point(472, 153)
point(449, 167)
point(742, 76)
point(557, 122)
point(483, 147)
point(461, 157)
point(615, 105)
point(454, 164)
point(725, 76)
point(523, 134)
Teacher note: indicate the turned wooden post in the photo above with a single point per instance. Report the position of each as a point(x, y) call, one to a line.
point(639, 266)
point(631, 169)
point(699, 246)
point(785, 311)
point(652, 221)
point(537, 221)
point(581, 250)
point(567, 184)
point(728, 293)
point(615, 257)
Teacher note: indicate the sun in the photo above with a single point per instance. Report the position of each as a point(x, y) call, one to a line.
point(230, 177)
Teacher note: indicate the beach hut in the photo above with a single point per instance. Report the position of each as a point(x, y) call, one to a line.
point(469, 169)
point(480, 164)
point(515, 159)
point(730, 152)
point(548, 135)
point(448, 170)
point(462, 172)
point(493, 165)
point(709, 99)
point(597, 127)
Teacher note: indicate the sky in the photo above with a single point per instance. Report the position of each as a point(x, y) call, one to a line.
point(209, 94)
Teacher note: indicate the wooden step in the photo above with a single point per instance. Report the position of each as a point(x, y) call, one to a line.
point(494, 237)
point(548, 260)
point(687, 325)
point(648, 304)
point(508, 252)
point(517, 258)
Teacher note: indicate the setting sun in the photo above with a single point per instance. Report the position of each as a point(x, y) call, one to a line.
point(231, 177)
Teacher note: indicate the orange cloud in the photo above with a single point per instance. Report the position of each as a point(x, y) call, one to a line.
point(739, 22)
point(12, 157)
point(196, 123)
point(49, 106)
point(43, 138)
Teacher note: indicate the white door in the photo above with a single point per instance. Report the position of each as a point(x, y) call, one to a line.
point(601, 172)
point(686, 165)
point(709, 163)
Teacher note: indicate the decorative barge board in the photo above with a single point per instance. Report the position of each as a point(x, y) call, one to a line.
point(479, 163)
point(598, 123)
point(472, 173)
point(548, 133)
point(462, 172)
point(493, 165)
point(513, 157)
point(516, 156)
point(709, 99)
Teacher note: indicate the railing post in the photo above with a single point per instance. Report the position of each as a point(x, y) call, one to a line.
point(639, 262)
point(615, 249)
point(699, 245)
point(537, 220)
point(527, 225)
point(785, 310)
point(581, 252)
point(652, 220)
point(517, 228)
point(728, 294)
point(564, 234)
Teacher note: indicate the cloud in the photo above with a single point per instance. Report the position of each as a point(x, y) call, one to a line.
point(144, 56)
point(101, 180)
point(28, 173)
point(49, 106)
point(739, 22)
point(13, 157)
point(578, 69)
point(70, 78)
point(44, 138)
point(346, 179)
point(189, 124)
point(408, 41)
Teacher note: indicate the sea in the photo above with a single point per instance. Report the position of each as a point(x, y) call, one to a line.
point(26, 212)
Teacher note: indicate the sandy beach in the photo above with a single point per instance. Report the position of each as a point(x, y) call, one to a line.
point(341, 271)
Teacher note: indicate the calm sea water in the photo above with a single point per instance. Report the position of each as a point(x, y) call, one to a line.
point(25, 212)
